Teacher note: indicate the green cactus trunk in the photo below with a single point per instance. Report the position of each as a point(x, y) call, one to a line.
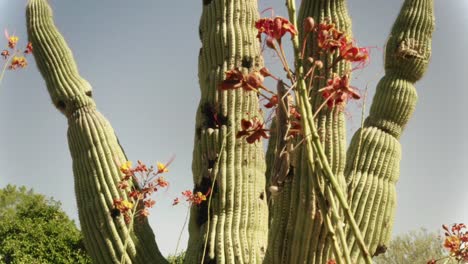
point(236, 223)
point(372, 168)
point(93, 145)
point(298, 233)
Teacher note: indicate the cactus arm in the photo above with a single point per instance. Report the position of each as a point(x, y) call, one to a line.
point(93, 146)
point(238, 225)
point(372, 175)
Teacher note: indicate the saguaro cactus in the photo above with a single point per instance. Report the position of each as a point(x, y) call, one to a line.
point(298, 233)
point(233, 226)
point(93, 146)
point(372, 167)
point(237, 227)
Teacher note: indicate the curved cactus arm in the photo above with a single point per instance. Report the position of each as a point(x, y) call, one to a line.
point(93, 145)
point(372, 168)
point(237, 229)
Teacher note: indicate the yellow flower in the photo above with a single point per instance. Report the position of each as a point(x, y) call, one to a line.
point(127, 204)
point(162, 167)
point(126, 167)
point(12, 40)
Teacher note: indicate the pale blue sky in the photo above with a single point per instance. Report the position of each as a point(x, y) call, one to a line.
point(141, 59)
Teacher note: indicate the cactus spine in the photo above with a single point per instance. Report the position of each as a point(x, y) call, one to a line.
point(93, 146)
point(238, 213)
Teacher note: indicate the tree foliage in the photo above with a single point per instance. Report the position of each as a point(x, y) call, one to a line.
point(33, 229)
point(417, 246)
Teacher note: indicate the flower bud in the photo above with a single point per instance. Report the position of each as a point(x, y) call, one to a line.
point(265, 72)
point(319, 64)
point(309, 24)
point(270, 42)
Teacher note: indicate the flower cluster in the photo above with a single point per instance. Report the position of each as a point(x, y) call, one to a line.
point(456, 243)
point(275, 28)
point(253, 130)
point(15, 58)
point(139, 183)
point(196, 198)
point(249, 82)
point(330, 39)
point(338, 90)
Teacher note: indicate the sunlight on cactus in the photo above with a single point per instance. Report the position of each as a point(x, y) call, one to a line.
point(308, 200)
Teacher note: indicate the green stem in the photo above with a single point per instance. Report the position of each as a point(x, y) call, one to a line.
point(129, 230)
point(181, 231)
point(223, 144)
point(5, 66)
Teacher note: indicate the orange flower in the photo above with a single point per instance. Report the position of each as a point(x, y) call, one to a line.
point(162, 167)
point(18, 62)
point(162, 182)
point(452, 243)
point(12, 41)
point(338, 90)
point(198, 198)
point(126, 167)
point(275, 28)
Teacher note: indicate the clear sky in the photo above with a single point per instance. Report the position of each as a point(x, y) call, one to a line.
point(141, 59)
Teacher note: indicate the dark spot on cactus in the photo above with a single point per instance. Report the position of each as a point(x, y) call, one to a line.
point(206, 2)
point(245, 162)
point(61, 105)
point(211, 163)
point(198, 132)
point(209, 260)
point(200, 33)
point(212, 119)
point(200, 52)
point(262, 195)
point(115, 213)
point(247, 62)
point(202, 213)
point(380, 250)
point(262, 249)
point(89, 94)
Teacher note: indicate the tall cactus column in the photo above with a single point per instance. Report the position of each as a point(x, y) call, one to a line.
point(93, 145)
point(236, 230)
point(372, 168)
point(298, 233)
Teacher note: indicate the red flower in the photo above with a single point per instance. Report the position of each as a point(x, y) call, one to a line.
point(162, 182)
point(249, 82)
point(144, 212)
point(5, 54)
point(253, 130)
point(273, 102)
point(338, 90)
point(149, 203)
point(275, 28)
point(329, 37)
point(29, 48)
